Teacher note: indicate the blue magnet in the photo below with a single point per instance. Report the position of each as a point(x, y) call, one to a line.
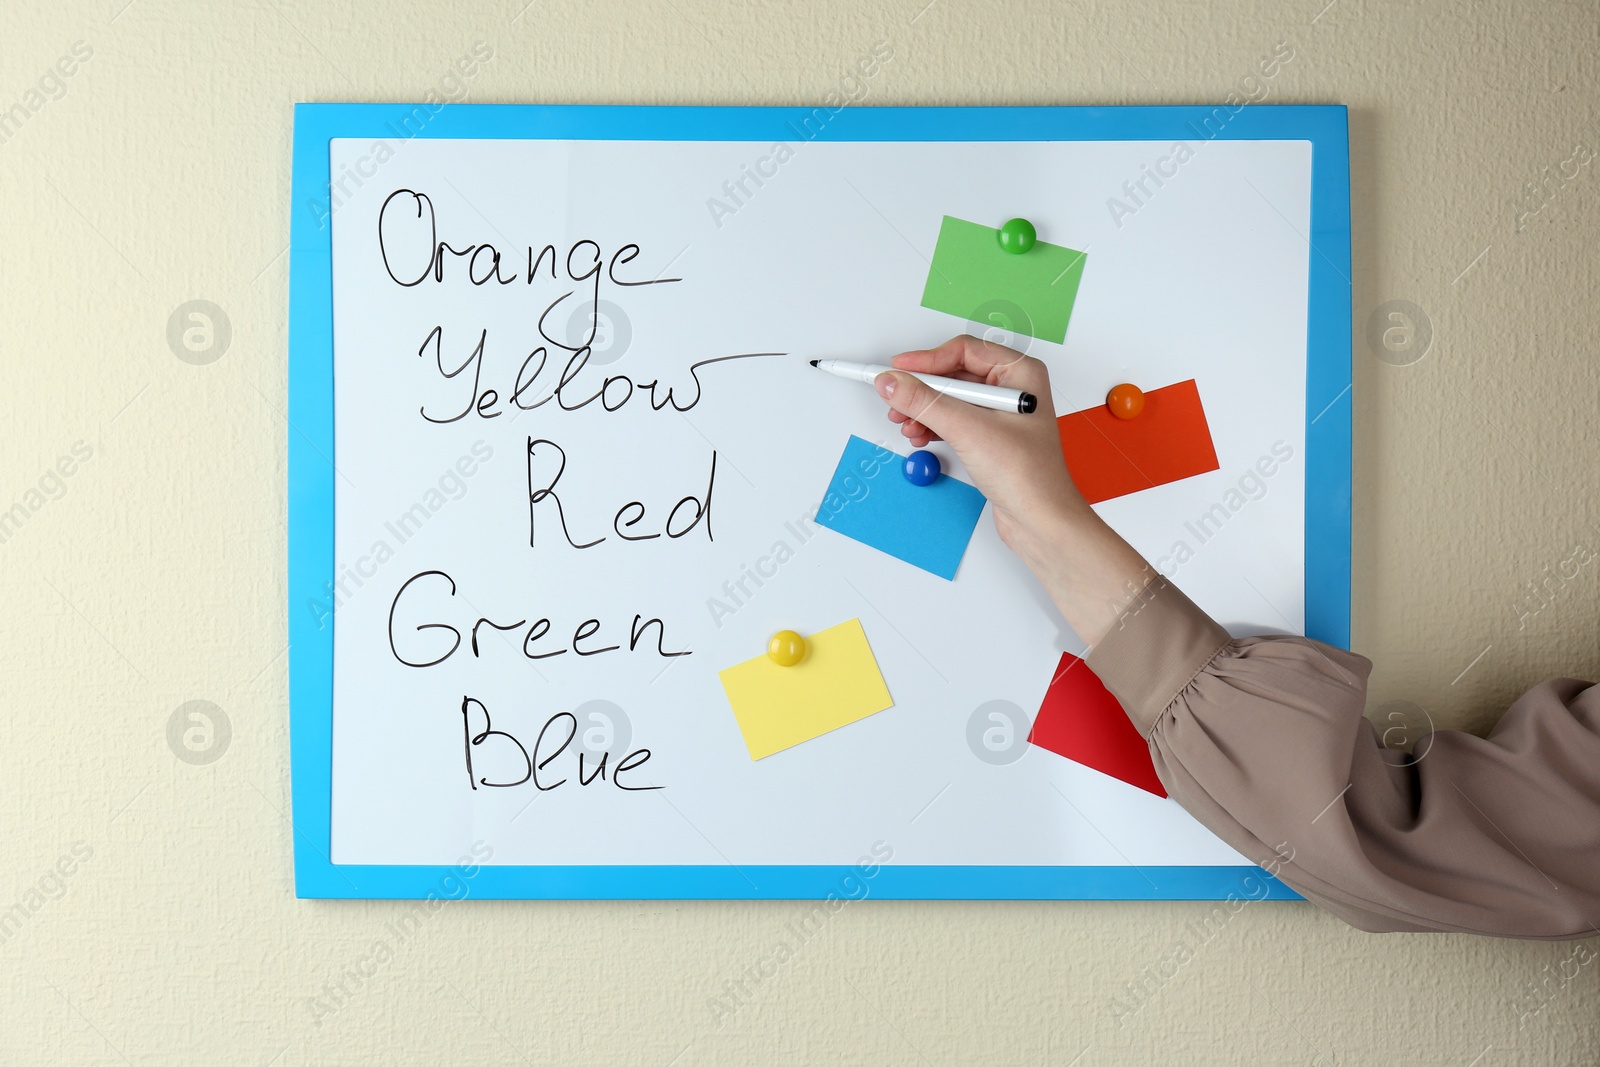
point(922, 468)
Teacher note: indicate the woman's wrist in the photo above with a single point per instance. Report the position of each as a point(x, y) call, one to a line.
point(1053, 530)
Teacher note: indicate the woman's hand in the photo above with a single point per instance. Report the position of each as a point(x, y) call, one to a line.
point(1016, 461)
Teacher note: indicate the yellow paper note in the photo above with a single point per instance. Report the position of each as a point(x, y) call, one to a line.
point(837, 683)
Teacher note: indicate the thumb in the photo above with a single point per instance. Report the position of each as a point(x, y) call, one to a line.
point(904, 392)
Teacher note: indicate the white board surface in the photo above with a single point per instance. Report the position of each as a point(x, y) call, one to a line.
point(1207, 279)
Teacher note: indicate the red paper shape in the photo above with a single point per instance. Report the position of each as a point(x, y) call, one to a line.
point(1082, 721)
point(1168, 441)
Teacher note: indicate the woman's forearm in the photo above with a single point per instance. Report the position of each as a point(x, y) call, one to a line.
point(1092, 574)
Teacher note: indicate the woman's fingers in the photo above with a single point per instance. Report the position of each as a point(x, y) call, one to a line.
point(974, 359)
point(911, 429)
point(933, 412)
point(924, 414)
point(945, 359)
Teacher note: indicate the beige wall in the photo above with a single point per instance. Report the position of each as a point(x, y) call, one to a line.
point(157, 576)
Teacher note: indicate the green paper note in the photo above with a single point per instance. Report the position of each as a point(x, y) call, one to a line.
point(973, 278)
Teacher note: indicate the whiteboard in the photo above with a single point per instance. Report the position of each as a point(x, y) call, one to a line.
point(430, 474)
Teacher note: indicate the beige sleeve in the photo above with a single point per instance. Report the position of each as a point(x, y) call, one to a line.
point(1264, 741)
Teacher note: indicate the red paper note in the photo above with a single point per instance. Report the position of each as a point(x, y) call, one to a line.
point(1082, 721)
point(1168, 441)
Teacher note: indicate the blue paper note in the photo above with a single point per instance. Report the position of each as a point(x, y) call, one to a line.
point(870, 500)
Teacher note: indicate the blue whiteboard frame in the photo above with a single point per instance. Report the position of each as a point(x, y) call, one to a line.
point(311, 472)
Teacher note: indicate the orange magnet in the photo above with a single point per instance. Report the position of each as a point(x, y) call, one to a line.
point(1125, 401)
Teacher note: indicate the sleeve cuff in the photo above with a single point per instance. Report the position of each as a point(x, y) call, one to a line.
point(1154, 650)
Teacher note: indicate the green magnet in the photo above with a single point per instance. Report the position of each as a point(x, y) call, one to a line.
point(1018, 236)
